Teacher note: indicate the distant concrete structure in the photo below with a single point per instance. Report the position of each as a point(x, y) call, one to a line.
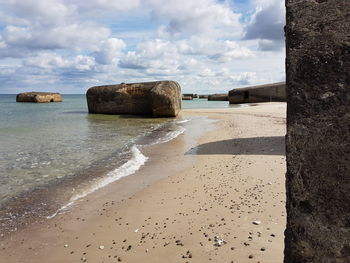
point(38, 97)
point(186, 97)
point(218, 97)
point(261, 93)
point(318, 131)
point(190, 95)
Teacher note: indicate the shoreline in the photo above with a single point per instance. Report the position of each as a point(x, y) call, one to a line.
point(45, 201)
point(177, 201)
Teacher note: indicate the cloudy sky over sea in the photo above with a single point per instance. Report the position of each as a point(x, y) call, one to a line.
point(207, 46)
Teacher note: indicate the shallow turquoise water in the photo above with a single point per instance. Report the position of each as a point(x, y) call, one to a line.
point(51, 151)
point(205, 104)
point(43, 142)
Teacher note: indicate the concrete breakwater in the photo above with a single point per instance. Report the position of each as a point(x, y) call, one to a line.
point(38, 97)
point(261, 93)
point(158, 98)
point(218, 97)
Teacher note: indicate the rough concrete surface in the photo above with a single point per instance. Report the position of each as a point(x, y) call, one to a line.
point(218, 97)
point(318, 131)
point(158, 98)
point(38, 97)
point(261, 93)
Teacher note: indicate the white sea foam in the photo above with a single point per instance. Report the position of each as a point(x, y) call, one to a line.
point(182, 121)
point(170, 135)
point(128, 168)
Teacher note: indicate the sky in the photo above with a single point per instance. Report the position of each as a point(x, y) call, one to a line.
point(208, 46)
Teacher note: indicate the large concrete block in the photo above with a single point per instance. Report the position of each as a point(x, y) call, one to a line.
point(38, 97)
point(318, 131)
point(158, 98)
point(260, 93)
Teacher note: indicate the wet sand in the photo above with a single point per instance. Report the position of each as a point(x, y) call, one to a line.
point(218, 198)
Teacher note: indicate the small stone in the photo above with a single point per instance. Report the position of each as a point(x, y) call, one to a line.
point(219, 241)
point(257, 222)
point(179, 243)
point(66, 245)
point(101, 247)
point(166, 243)
point(251, 256)
point(262, 249)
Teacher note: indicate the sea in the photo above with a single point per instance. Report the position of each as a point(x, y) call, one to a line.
point(49, 151)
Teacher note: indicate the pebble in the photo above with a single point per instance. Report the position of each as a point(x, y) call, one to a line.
point(101, 247)
point(219, 241)
point(257, 222)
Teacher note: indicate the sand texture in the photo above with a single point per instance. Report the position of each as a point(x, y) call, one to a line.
point(217, 199)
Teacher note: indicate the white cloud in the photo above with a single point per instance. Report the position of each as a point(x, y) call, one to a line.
point(46, 25)
point(61, 37)
point(154, 53)
point(109, 51)
point(103, 6)
point(244, 78)
point(51, 61)
point(219, 50)
point(48, 12)
point(267, 25)
point(74, 43)
point(195, 17)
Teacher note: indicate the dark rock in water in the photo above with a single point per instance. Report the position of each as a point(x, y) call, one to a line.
point(158, 98)
point(218, 97)
point(261, 93)
point(38, 97)
point(318, 131)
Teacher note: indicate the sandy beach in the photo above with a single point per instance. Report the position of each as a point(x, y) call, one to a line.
point(215, 193)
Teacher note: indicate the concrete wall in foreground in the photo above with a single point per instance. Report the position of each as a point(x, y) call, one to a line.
point(318, 131)
point(261, 93)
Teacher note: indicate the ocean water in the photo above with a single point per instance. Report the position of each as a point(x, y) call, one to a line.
point(205, 104)
point(51, 146)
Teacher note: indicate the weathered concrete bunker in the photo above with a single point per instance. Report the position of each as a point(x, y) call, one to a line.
point(158, 98)
point(261, 93)
point(38, 97)
point(318, 131)
point(218, 97)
